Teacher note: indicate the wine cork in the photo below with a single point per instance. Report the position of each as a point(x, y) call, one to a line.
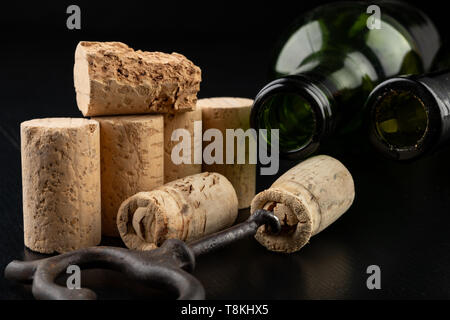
point(131, 161)
point(174, 170)
point(231, 113)
point(61, 184)
point(306, 199)
point(184, 209)
point(111, 78)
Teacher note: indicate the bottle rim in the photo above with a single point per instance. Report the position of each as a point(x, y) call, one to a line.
point(430, 105)
point(307, 90)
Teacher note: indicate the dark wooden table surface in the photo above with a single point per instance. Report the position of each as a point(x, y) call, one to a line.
point(399, 221)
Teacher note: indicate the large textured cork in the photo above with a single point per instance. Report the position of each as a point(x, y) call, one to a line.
point(174, 170)
point(111, 78)
point(231, 113)
point(131, 161)
point(307, 199)
point(61, 184)
point(185, 209)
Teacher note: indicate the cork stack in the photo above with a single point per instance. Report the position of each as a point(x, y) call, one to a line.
point(77, 172)
point(231, 113)
point(112, 79)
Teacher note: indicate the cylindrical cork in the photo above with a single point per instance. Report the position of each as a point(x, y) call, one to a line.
point(111, 78)
point(307, 199)
point(131, 161)
point(184, 209)
point(185, 121)
point(61, 184)
point(231, 113)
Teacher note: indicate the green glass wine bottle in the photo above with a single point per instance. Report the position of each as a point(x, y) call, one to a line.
point(329, 62)
point(410, 116)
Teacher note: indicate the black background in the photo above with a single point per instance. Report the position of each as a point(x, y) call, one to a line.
point(399, 221)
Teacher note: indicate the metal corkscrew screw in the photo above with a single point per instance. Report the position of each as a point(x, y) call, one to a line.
point(167, 267)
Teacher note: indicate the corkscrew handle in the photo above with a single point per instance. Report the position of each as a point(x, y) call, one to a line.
point(167, 267)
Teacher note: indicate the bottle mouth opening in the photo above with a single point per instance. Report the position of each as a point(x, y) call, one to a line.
point(401, 120)
point(300, 112)
point(404, 119)
point(292, 115)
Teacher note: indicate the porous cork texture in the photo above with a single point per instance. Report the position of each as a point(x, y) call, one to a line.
point(131, 161)
point(184, 209)
point(306, 199)
point(111, 78)
point(61, 184)
point(172, 122)
point(231, 113)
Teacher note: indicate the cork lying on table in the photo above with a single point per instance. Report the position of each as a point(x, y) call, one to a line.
point(131, 161)
point(231, 113)
point(61, 184)
point(172, 122)
point(111, 78)
point(307, 199)
point(185, 209)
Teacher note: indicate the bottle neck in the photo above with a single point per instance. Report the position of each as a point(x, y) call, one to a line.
point(438, 85)
point(323, 95)
point(422, 30)
point(329, 72)
point(301, 108)
point(410, 116)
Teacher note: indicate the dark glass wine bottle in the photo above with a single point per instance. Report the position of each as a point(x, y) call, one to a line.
point(329, 62)
point(410, 116)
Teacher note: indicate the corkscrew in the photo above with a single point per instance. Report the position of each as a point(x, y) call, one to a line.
point(167, 267)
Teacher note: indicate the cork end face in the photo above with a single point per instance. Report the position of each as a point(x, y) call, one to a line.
point(62, 123)
point(295, 221)
point(81, 78)
point(138, 222)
